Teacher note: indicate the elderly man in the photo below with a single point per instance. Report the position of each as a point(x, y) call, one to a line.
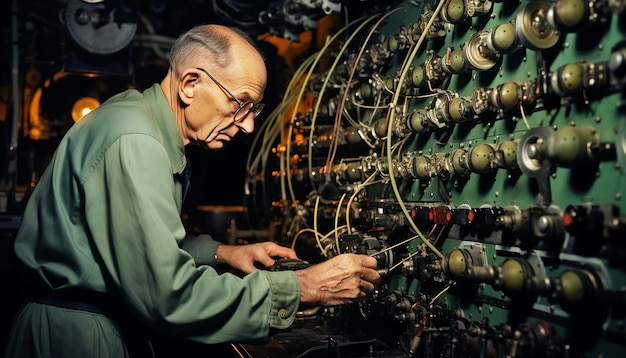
point(102, 236)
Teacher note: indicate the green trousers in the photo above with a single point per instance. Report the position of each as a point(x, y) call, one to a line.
point(46, 331)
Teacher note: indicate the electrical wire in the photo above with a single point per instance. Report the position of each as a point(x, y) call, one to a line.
point(437, 296)
point(338, 59)
point(391, 116)
point(392, 268)
point(521, 108)
point(315, 232)
point(394, 246)
point(299, 98)
point(273, 125)
point(337, 221)
point(340, 110)
point(356, 192)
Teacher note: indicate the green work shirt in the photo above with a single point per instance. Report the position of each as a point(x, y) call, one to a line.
point(105, 217)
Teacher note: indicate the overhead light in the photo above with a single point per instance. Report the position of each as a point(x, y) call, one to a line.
point(82, 106)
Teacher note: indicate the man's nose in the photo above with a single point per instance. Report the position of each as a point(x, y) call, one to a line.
point(247, 124)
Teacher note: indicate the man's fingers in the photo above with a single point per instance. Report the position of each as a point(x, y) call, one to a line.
point(368, 261)
point(367, 287)
point(266, 261)
point(281, 251)
point(371, 275)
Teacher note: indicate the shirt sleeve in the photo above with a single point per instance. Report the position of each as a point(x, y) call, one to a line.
point(131, 212)
point(202, 248)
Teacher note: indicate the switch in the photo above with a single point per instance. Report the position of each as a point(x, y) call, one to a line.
point(457, 261)
point(506, 95)
point(567, 80)
point(482, 159)
point(454, 11)
point(514, 275)
point(532, 27)
point(568, 15)
point(508, 154)
point(574, 146)
point(502, 38)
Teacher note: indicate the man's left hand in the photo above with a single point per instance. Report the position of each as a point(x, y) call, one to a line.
point(243, 257)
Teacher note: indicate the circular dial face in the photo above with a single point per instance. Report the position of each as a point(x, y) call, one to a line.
point(94, 27)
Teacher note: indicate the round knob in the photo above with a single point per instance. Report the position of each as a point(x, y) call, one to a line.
point(454, 62)
point(507, 95)
point(418, 76)
point(455, 11)
point(393, 44)
point(572, 145)
point(421, 166)
point(459, 162)
point(367, 92)
point(480, 159)
point(568, 80)
point(380, 128)
point(417, 120)
point(509, 154)
point(502, 38)
point(568, 15)
point(457, 264)
point(573, 287)
point(513, 275)
point(458, 108)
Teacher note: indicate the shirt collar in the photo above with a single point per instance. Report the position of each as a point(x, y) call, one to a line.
point(166, 122)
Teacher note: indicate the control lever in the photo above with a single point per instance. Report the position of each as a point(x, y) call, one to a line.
point(287, 265)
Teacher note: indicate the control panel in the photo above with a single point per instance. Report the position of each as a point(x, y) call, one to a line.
point(477, 150)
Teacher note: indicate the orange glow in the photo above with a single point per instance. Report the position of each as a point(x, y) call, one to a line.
point(82, 106)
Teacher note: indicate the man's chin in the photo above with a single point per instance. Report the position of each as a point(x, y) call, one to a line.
point(215, 145)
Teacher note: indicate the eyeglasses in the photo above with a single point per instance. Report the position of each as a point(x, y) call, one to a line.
point(245, 108)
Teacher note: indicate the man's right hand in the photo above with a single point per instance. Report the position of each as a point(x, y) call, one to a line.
point(345, 278)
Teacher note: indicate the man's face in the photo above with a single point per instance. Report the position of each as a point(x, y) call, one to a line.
point(218, 96)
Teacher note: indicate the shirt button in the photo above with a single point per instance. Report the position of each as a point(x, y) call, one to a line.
point(282, 313)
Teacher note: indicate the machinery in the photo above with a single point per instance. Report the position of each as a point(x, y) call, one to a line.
point(475, 148)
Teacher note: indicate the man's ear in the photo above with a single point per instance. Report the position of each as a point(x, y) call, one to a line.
point(187, 86)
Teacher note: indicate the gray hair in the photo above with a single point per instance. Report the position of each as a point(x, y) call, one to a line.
point(193, 45)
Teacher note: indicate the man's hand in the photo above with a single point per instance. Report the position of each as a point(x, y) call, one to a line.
point(243, 257)
point(345, 278)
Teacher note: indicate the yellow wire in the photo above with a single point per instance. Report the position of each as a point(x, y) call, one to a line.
point(317, 234)
point(390, 131)
point(302, 231)
point(337, 221)
point(274, 127)
point(396, 245)
point(356, 192)
point(338, 59)
point(521, 108)
point(439, 294)
point(402, 261)
point(341, 108)
point(317, 57)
